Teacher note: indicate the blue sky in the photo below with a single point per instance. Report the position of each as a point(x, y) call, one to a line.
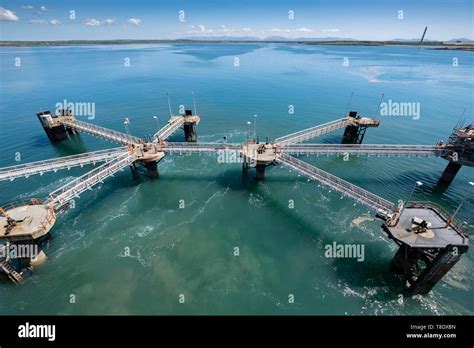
point(160, 19)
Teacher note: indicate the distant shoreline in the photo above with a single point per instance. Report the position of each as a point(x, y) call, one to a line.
point(468, 46)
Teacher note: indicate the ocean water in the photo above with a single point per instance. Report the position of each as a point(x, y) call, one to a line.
point(190, 251)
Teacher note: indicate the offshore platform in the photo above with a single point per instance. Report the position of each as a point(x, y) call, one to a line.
point(430, 240)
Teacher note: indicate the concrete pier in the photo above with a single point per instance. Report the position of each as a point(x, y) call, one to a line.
point(423, 268)
point(258, 156)
point(450, 172)
point(54, 129)
point(459, 152)
point(260, 171)
point(190, 123)
point(152, 169)
point(26, 222)
point(134, 170)
point(148, 155)
point(430, 244)
point(190, 132)
point(354, 133)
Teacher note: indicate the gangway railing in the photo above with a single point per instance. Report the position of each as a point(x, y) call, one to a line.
point(314, 132)
point(179, 147)
point(85, 182)
point(365, 149)
point(100, 132)
point(52, 165)
point(172, 126)
point(381, 205)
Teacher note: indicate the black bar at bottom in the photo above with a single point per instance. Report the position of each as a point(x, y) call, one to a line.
point(136, 330)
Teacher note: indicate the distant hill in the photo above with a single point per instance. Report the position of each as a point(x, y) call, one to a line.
point(412, 40)
point(309, 39)
point(454, 44)
point(222, 38)
point(269, 38)
point(462, 39)
point(324, 39)
point(276, 38)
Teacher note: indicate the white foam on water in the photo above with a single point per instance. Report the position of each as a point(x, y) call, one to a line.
point(147, 264)
point(256, 200)
point(357, 221)
point(45, 190)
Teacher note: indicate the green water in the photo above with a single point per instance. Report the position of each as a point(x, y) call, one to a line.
point(190, 251)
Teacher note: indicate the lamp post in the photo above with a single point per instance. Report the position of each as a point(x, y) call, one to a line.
point(194, 102)
point(126, 122)
point(417, 184)
point(169, 104)
point(157, 126)
point(248, 125)
point(462, 202)
point(255, 127)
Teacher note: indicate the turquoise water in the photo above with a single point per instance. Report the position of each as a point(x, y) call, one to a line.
point(190, 251)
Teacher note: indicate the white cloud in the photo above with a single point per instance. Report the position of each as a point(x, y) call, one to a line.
point(246, 29)
point(92, 22)
point(27, 7)
point(43, 8)
point(38, 21)
point(200, 29)
point(304, 30)
point(7, 15)
point(330, 30)
point(135, 21)
point(44, 21)
point(276, 30)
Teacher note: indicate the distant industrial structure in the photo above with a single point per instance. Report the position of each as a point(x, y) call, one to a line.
point(430, 239)
point(423, 36)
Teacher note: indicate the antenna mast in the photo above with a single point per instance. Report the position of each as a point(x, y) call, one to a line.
point(380, 102)
point(349, 104)
point(169, 104)
point(423, 36)
point(194, 101)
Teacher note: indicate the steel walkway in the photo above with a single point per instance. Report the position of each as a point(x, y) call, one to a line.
point(314, 132)
point(179, 147)
point(100, 132)
point(85, 182)
point(10, 272)
point(172, 126)
point(40, 167)
point(366, 149)
point(365, 197)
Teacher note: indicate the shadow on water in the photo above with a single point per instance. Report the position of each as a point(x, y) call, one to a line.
point(331, 139)
point(441, 187)
point(372, 272)
point(73, 146)
point(300, 49)
point(40, 140)
point(212, 52)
